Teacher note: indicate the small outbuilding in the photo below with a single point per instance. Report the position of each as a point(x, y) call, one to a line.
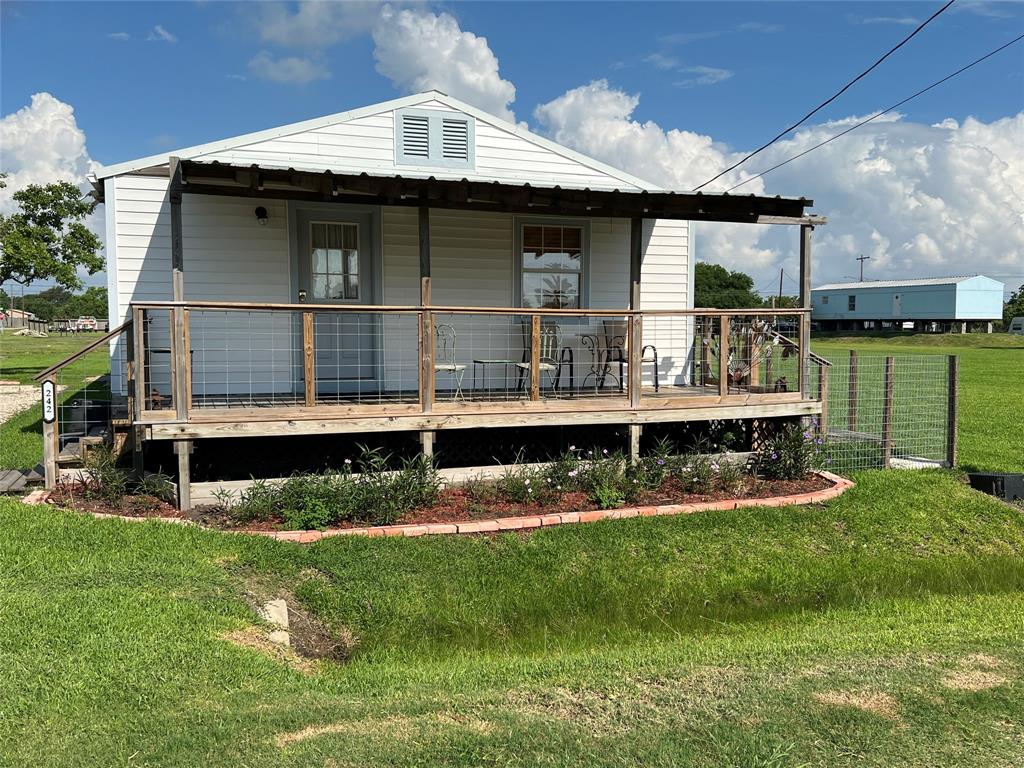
point(934, 304)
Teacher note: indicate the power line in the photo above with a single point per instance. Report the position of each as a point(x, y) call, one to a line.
point(832, 98)
point(878, 114)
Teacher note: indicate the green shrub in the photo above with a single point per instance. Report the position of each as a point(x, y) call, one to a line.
point(697, 474)
point(376, 495)
point(791, 454)
point(315, 514)
point(103, 479)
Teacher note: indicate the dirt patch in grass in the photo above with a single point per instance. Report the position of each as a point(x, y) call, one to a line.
point(881, 704)
point(979, 672)
point(312, 639)
point(255, 639)
point(396, 727)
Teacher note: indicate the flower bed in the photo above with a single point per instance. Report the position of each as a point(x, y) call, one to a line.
point(369, 495)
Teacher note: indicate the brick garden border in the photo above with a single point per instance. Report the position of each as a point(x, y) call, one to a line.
point(839, 486)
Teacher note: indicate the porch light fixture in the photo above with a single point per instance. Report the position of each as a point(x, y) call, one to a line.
point(261, 216)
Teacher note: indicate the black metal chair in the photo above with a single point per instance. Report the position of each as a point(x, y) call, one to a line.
point(553, 356)
point(615, 352)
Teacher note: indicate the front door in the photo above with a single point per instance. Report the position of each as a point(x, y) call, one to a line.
point(897, 305)
point(335, 266)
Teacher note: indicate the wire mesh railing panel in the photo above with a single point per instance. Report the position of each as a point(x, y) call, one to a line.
point(91, 398)
point(366, 357)
point(244, 358)
point(887, 410)
point(158, 360)
point(668, 353)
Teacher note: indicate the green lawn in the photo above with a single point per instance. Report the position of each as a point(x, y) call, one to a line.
point(991, 434)
point(884, 628)
point(21, 358)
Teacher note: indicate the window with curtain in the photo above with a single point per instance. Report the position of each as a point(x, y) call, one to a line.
point(334, 261)
point(552, 266)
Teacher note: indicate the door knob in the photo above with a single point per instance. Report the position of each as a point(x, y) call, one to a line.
point(302, 294)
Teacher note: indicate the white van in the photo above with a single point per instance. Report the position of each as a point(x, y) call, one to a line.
point(1016, 326)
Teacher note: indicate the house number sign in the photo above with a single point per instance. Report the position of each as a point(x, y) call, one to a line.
point(49, 402)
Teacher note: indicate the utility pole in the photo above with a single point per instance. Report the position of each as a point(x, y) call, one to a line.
point(782, 271)
point(862, 258)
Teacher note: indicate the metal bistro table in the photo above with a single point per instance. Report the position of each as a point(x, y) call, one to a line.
point(484, 362)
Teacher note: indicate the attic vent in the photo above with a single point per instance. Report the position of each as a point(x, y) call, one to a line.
point(455, 140)
point(416, 136)
point(434, 137)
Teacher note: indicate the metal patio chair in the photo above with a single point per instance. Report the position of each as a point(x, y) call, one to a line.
point(553, 356)
point(445, 357)
point(615, 332)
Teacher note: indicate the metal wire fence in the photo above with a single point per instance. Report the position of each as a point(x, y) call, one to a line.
point(889, 410)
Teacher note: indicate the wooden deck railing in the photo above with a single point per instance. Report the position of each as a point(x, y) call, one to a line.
point(200, 356)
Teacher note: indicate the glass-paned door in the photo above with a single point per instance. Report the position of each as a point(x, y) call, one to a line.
point(335, 266)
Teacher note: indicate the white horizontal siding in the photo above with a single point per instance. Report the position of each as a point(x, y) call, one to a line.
point(665, 284)
point(368, 144)
point(228, 256)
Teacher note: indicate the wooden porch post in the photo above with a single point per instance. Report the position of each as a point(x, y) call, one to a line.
point(184, 450)
point(805, 303)
point(180, 353)
point(426, 334)
point(636, 330)
point(177, 251)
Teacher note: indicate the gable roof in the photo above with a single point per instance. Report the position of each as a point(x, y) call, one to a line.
point(188, 153)
point(901, 283)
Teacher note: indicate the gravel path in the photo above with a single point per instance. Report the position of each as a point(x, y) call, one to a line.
point(15, 398)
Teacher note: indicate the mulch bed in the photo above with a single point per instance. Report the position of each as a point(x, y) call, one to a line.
point(72, 497)
point(456, 504)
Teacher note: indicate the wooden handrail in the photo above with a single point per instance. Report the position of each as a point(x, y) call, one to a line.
point(83, 351)
point(241, 306)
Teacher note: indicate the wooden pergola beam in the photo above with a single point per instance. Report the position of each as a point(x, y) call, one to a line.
point(221, 179)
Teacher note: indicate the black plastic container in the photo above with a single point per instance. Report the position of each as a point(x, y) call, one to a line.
point(1004, 485)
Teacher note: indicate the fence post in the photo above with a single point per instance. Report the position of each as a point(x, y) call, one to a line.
point(823, 394)
point(50, 431)
point(308, 360)
point(636, 343)
point(535, 357)
point(953, 402)
point(141, 360)
point(851, 400)
point(180, 363)
point(887, 412)
point(723, 356)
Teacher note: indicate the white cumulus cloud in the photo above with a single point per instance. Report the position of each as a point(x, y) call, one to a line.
point(42, 143)
point(418, 50)
point(314, 23)
point(919, 199)
point(161, 35)
point(287, 69)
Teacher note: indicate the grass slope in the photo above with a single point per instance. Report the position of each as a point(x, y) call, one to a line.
point(991, 389)
point(837, 635)
point(21, 358)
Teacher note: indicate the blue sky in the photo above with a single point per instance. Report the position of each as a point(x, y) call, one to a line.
point(136, 96)
point(673, 92)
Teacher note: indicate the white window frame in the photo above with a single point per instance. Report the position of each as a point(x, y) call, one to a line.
point(359, 257)
point(435, 158)
point(520, 222)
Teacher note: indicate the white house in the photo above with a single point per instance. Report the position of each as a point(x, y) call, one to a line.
point(422, 265)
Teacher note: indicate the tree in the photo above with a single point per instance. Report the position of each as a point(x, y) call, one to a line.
point(47, 239)
point(93, 302)
point(1014, 307)
point(715, 286)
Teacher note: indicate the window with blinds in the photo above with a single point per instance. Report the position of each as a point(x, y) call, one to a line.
point(433, 137)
